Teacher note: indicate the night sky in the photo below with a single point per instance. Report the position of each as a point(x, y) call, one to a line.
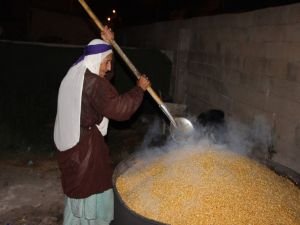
point(15, 14)
point(133, 12)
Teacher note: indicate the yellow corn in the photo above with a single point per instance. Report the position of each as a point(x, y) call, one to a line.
point(209, 187)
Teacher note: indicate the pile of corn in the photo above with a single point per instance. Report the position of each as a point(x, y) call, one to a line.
point(210, 187)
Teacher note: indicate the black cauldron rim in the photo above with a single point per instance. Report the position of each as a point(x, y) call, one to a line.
point(283, 171)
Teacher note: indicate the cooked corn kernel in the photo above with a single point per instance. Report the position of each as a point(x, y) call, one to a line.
point(209, 187)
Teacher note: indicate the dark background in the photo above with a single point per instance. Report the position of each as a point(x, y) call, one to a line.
point(29, 82)
point(15, 15)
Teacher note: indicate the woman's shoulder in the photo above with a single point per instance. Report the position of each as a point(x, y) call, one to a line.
point(96, 83)
point(95, 79)
point(88, 75)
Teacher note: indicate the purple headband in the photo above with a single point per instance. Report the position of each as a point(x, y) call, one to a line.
point(92, 50)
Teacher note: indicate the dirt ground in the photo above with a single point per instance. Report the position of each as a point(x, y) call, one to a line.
point(30, 189)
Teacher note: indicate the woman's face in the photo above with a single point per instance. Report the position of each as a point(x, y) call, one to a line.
point(105, 65)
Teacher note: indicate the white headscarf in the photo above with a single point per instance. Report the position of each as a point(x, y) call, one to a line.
point(67, 123)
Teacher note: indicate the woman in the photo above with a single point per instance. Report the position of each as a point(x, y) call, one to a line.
point(86, 101)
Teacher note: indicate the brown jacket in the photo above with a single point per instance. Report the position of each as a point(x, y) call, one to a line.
point(86, 168)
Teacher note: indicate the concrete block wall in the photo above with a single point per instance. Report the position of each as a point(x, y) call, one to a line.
point(246, 64)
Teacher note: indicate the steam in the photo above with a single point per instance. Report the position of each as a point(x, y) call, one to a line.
point(254, 139)
point(152, 134)
point(251, 140)
point(246, 139)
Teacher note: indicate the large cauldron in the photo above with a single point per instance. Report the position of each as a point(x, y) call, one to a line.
point(125, 216)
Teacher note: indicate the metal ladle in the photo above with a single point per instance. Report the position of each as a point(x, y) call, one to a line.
point(178, 124)
point(183, 131)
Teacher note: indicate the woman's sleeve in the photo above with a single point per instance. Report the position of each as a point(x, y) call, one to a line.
point(107, 101)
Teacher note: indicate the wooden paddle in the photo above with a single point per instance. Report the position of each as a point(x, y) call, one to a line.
point(129, 63)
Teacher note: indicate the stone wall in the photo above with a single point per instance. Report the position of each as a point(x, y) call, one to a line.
point(246, 64)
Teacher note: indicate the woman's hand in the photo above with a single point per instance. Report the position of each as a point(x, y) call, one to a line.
point(107, 34)
point(144, 82)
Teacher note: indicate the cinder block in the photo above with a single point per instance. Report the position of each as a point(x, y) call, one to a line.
point(297, 136)
point(233, 61)
point(204, 42)
point(285, 89)
point(205, 69)
point(218, 86)
point(197, 104)
point(214, 59)
point(246, 21)
point(211, 46)
point(296, 92)
point(253, 49)
point(246, 95)
point(264, 85)
point(283, 107)
point(292, 50)
point(276, 68)
point(293, 32)
point(286, 147)
point(234, 91)
point(230, 33)
point(242, 112)
point(195, 81)
point(230, 48)
point(293, 71)
point(223, 102)
point(287, 158)
point(267, 33)
point(253, 98)
point(255, 65)
point(223, 20)
point(198, 56)
point(285, 129)
point(277, 50)
point(250, 80)
point(194, 67)
point(293, 14)
point(231, 76)
point(271, 16)
point(268, 116)
point(184, 39)
point(202, 23)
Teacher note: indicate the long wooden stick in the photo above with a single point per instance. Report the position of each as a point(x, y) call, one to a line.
point(119, 50)
point(128, 62)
